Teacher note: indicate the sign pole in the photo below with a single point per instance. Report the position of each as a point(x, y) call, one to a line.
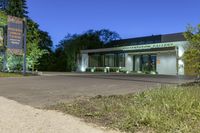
point(25, 31)
point(4, 51)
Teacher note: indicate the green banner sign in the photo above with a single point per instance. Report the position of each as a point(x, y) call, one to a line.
point(148, 46)
point(3, 19)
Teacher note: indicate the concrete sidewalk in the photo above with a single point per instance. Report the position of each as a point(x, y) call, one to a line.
point(17, 118)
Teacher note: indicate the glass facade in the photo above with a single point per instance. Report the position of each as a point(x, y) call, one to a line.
point(145, 63)
point(94, 61)
point(107, 60)
point(121, 60)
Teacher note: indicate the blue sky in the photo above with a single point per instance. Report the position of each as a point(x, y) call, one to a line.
point(130, 18)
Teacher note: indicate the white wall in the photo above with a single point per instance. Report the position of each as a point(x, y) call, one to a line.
point(181, 49)
point(129, 62)
point(84, 63)
point(166, 63)
point(137, 63)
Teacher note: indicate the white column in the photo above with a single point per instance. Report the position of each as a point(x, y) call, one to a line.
point(84, 62)
point(181, 65)
point(129, 62)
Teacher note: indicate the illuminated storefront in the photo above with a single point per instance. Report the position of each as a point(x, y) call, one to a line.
point(160, 54)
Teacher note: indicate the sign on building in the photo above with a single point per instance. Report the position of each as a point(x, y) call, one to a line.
point(15, 35)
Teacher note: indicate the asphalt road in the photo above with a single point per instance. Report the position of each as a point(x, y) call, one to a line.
point(51, 88)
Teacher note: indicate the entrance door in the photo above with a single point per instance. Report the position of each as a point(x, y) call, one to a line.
point(149, 63)
point(153, 62)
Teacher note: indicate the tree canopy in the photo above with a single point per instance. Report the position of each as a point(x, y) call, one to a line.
point(192, 54)
point(17, 8)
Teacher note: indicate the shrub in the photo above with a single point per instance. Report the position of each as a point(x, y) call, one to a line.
point(99, 69)
point(114, 69)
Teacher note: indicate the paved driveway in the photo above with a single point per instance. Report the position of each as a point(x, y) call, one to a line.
point(52, 88)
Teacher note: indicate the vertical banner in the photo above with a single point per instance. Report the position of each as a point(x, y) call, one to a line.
point(15, 35)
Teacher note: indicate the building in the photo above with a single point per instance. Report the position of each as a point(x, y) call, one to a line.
point(157, 54)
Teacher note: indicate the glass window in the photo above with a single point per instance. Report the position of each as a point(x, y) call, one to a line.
point(121, 59)
point(93, 60)
point(145, 63)
point(153, 62)
point(101, 61)
point(109, 60)
point(148, 62)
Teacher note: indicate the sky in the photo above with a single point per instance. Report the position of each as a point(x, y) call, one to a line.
point(129, 18)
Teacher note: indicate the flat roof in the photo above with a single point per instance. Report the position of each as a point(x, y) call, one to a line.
point(152, 46)
point(174, 37)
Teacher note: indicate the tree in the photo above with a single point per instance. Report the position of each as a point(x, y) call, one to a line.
point(14, 62)
point(192, 54)
point(45, 43)
point(71, 45)
point(34, 56)
point(17, 8)
point(107, 36)
point(3, 4)
point(34, 53)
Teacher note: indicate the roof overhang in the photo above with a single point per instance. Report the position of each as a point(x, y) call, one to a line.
point(136, 47)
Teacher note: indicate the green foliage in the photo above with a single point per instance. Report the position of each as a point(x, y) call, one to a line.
point(34, 53)
point(164, 110)
point(192, 54)
point(14, 62)
point(34, 56)
point(10, 75)
point(3, 19)
point(39, 43)
point(107, 36)
point(17, 8)
point(1, 62)
point(45, 41)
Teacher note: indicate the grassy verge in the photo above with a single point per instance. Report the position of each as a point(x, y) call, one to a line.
point(10, 75)
point(163, 110)
point(15, 74)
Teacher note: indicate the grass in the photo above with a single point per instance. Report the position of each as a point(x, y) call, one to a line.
point(163, 110)
point(10, 75)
